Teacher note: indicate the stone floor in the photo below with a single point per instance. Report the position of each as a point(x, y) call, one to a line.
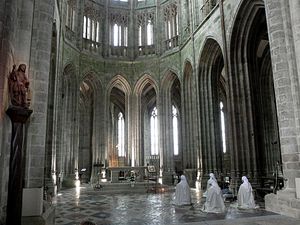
point(84, 203)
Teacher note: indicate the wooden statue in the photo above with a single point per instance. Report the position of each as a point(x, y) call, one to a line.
point(18, 84)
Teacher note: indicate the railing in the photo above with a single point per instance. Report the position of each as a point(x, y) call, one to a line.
point(206, 8)
point(171, 43)
point(70, 35)
point(92, 46)
point(146, 50)
point(119, 51)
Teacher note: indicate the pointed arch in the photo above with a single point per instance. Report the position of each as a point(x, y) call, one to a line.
point(121, 83)
point(93, 80)
point(254, 113)
point(145, 98)
point(90, 123)
point(211, 65)
point(118, 98)
point(145, 80)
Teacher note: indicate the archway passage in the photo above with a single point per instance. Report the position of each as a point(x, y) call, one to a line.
point(117, 156)
point(86, 111)
point(254, 116)
point(150, 148)
point(213, 90)
point(119, 123)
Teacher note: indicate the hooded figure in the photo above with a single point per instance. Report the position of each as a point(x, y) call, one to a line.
point(182, 193)
point(211, 178)
point(245, 195)
point(214, 199)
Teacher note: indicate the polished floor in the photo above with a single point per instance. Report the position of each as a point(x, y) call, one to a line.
point(80, 204)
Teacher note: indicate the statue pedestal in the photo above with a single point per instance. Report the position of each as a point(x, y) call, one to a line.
point(191, 176)
point(284, 203)
point(18, 117)
point(32, 204)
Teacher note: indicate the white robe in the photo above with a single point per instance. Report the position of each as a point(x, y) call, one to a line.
point(214, 199)
point(245, 195)
point(211, 178)
point(182, 193)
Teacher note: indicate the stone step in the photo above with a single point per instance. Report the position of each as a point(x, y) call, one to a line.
point(131, 187)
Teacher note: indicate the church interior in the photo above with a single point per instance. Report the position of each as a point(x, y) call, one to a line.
point(124, 96)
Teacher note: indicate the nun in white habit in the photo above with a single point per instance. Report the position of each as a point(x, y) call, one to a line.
point(214, 199)
point(245, 195)
point(182, 193)
point(211, 178)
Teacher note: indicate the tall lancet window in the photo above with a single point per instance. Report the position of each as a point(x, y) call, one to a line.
point(175, 129)
point(121, 149)
point(223, 126)
point(154, 132)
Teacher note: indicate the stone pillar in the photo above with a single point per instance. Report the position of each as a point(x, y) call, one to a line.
point(131, 31)
point(106, 30)
point(18, 118)
point(39, 65)
point(295, 23)
point(166, 135)
point(128, 126)
point(97, 135)
point(282, 21)
point(158, 29)
point(136, 127)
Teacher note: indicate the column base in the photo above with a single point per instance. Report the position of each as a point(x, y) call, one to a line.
point(167, 178)
point(284, 203)
point(32, 202)
point(68, 182)
point(191, 176)
point(47, 218)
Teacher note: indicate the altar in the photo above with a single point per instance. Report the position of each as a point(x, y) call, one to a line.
point(127, 173)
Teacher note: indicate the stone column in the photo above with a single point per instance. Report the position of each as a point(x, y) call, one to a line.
point(282, 21)
point(18, 118)
point(106, 31)
point(166, 135)
point(39, 65)
point(97, 135)
point(295, 23)
point(158, 29)
point(128, 126)
point(131, 32)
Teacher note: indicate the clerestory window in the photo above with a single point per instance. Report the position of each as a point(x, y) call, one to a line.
point(91, 29)
point(119, 29)
point(120, 35)
point(171, 25)
point(145, 33)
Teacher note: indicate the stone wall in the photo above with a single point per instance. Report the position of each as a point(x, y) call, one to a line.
point(25, 39)
point(8, 29)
